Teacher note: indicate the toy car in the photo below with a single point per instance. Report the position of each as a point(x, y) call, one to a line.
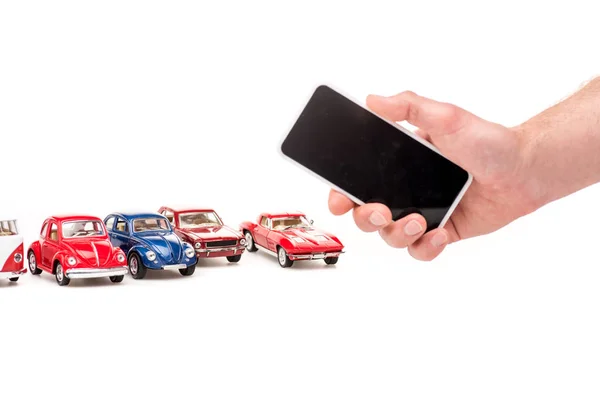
point(150, 243)
point(291, 237)
point(75, 247)
point(11, 251)
point(204, 229)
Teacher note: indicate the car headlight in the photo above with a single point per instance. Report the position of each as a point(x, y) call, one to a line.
point(298, 240)
point(242, 241)
point(151, 256)
point(121, 258)
point(72, 261)
point(198, 245)
point(189, 252)
point(18, 257)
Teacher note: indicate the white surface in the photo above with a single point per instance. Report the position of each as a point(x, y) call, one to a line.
point(157, 98)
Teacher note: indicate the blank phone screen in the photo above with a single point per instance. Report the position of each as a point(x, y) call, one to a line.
point(371, 159)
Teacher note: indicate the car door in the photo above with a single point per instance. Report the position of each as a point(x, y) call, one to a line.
point(261, 231)
point(49, 244)
point(119, 236)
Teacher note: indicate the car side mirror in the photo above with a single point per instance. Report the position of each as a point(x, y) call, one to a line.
point(312, 221)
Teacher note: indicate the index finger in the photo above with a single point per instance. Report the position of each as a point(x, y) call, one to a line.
point(339, 204)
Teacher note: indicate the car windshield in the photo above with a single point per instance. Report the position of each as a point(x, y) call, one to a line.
point(150, 224)
point(8, 228)
point(199, 219)
point(280, 224)
point(79, 229)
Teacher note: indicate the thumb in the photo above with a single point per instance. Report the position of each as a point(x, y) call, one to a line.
point(479, 146)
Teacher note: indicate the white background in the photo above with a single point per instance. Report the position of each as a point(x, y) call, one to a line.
point(120, 104)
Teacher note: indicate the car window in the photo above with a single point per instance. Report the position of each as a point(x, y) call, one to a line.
point(121, 225)
point(44, 230)
point(168, 215)
point(110, 223)
point(54, 233)
point(8, 228)
point(150, 224)
point(264, 222)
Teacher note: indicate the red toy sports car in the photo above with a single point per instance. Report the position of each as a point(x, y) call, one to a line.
point(74, 247)
point(204, 229)
point(291, 237)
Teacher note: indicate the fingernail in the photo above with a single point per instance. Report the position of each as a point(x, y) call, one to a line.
point(412, 228)
point(377, 219)
point(439, 239)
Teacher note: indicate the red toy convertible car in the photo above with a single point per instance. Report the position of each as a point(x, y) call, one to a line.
point(204, 229)
point(72, 247)
point(291, 237)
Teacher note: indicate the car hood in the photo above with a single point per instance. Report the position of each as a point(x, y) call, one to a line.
point(166, 245)
point(311, 236)
point(95, 252)
point(212, 233)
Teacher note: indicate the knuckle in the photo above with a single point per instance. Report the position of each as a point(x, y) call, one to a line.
point(396, 241)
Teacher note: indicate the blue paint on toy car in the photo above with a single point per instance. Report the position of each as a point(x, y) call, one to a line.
point(124, 230)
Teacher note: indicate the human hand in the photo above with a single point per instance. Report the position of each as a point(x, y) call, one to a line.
point(495, 155)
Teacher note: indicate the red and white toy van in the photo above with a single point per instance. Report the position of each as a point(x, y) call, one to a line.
point(11, 251)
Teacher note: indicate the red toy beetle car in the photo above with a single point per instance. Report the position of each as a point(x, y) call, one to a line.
point(204, 229)
point(291, 237)
point(74, 247)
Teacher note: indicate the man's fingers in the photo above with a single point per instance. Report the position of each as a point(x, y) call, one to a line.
point(372, 217)
point(430, 245)
point(432, 116)
point(339, 204)
point(404, 232)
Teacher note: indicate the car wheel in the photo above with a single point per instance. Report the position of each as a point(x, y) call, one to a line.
point(188, 271)
point(117, 279)
point(13, 279)
point(234, 259)
point(33, 264)
point(60, 276)
point(283, 258)
point(250, 246)
point(331, 260)
point(136, 268)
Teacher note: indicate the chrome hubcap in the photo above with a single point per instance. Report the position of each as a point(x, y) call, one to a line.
point(59, 273)
point(32, 264)
point(248, 240)
point(133, 266)
point(281, 256)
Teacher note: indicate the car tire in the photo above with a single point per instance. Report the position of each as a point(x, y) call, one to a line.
point(33, 266)
point(188, 271)
point(250, 246)
point(283, 258)
point(61, 278)
point(331, 260)
point(137, 269)
point(234, 259)
point(117, 279)
point(14, 279)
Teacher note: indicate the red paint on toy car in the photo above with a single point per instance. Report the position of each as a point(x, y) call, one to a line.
point(211, 238)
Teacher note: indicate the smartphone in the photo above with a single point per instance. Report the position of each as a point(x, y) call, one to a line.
point(372, 160)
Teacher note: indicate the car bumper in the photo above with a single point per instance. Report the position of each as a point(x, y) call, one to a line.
point(314, 256)
point(220, 251)
point(83, 273)
point(12, 274)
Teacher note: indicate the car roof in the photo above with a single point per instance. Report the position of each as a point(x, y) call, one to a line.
point(136, 215)
point(284, 214)
point(73, 217)
point(181, 209)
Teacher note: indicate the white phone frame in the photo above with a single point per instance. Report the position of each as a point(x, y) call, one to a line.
point(405, 131)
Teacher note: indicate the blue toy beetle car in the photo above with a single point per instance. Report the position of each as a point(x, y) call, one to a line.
point(150, 243)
